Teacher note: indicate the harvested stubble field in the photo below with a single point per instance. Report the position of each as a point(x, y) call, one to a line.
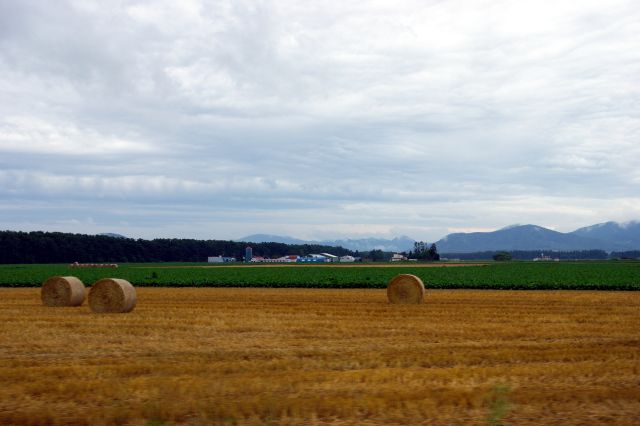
point(323, 356)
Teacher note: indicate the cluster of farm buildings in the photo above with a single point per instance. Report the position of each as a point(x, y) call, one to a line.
point(310, 258)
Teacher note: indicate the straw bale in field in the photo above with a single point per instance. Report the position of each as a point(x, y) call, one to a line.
point(405, 289)
point(62, 291)
point(112, 295)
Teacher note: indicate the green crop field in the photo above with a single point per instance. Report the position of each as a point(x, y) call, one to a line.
point(605, 275)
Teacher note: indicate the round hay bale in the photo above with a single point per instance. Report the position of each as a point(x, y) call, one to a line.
point(112, 295)
point(405, 289)
point(62, 291)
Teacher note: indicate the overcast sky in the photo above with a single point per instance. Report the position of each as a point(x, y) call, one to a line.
point(327, 119)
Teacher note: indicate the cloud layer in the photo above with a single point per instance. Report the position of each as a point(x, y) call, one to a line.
point(317, 119)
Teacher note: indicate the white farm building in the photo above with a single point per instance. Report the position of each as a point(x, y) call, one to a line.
point(220, 259)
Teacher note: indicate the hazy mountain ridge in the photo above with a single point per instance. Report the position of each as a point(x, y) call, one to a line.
point(624, 236)
point(609, 236)
point(397, 244)
point(268, 238)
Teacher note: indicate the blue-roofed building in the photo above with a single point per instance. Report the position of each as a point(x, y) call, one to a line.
point(313, 258)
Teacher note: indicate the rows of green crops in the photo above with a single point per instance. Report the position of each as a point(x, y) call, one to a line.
point(610, 275)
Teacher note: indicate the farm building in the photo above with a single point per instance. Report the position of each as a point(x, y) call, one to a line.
point(288, 259)
point(397, 257)
point(331, 257)
point(313, 258)
point(347, 259)
point(283, 259)
point(544, 258)
point(220, 259)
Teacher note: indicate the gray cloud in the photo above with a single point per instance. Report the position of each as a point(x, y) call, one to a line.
point(219, 119)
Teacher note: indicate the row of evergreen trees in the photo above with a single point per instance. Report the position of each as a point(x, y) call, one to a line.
point(532, 254)
point(58, 247)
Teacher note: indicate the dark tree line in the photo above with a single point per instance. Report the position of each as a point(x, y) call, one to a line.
point(502, 256)
point(378, 255)
point(424, 251)
point(631, 254)
point(531, 254)
point(58, 247)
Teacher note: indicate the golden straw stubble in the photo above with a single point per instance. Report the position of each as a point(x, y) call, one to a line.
point(112, 295)
point(405, 289)
point(62, 291)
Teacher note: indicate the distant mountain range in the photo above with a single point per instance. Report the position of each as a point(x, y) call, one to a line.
point(609, 236)
point(397, 244)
